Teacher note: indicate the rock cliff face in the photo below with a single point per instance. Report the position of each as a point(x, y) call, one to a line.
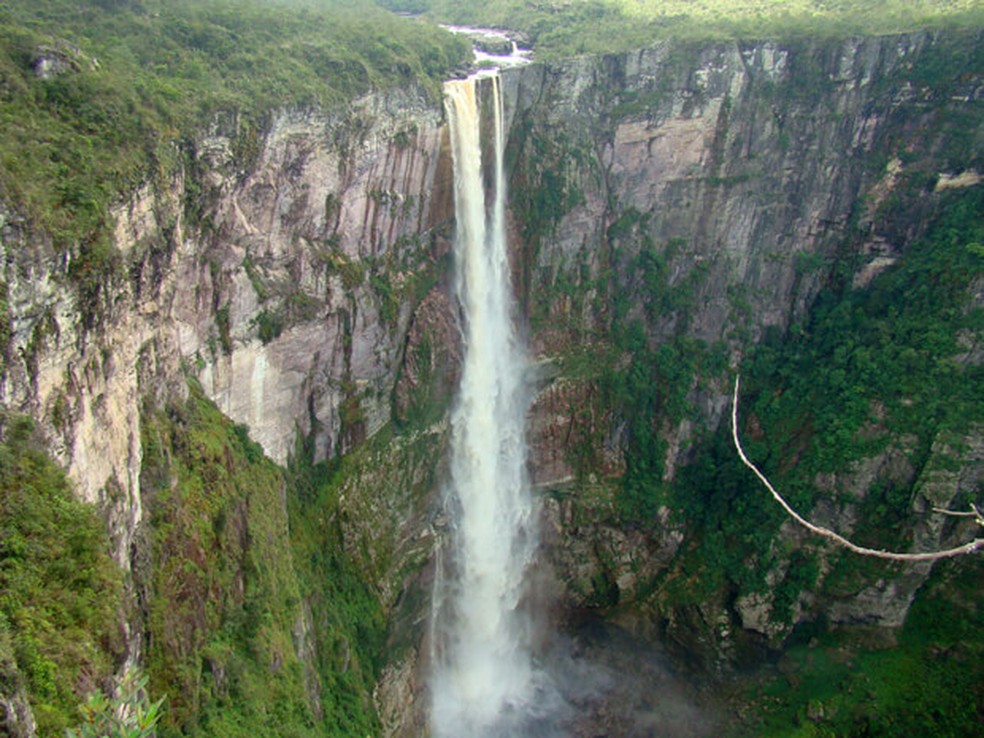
point(280, 269)
point(677, 204)
point(678, 199)
point(286, 289)
point(317, 253)
point(689, 200)
point(742, 167)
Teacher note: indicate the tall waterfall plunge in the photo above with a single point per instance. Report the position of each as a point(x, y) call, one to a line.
point(484, 681)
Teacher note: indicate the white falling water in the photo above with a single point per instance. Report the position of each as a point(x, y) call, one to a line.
point(484, 680)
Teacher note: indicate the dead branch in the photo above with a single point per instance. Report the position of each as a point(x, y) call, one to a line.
point(967, 548)
point(975, 513)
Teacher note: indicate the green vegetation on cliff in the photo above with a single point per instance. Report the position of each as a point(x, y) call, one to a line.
point(244, 637)
point(926, 684)
point(866, 411)
point(867, 368)
point(60, 592)
point(221, 593)
point(895, 353)
point(252, 620)
point(888, 367)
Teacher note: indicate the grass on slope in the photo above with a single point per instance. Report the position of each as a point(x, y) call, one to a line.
point(564, 27)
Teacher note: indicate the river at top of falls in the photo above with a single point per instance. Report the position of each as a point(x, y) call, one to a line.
point(490, 62)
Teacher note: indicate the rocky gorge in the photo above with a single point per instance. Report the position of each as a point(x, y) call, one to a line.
point(675, 213)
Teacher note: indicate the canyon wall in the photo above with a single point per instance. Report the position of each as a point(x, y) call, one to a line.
point(281, 272)
point(670, 209)
point(279, 269)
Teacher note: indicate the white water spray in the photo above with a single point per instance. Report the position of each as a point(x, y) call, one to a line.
point(484, 681)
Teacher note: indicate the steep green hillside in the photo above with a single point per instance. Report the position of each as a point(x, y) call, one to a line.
point(60, 593)
point(130, 83)
point(239, 634)
point(256, 617)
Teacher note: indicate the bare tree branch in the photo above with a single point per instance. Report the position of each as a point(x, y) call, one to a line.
point(975, 513)
point(967, 548)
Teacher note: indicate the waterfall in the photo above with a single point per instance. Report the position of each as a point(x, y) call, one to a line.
point(484, 679)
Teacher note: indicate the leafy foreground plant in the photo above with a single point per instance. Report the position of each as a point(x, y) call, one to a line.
point(130, 714)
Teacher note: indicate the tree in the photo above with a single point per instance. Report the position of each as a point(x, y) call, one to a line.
point(129, 714)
